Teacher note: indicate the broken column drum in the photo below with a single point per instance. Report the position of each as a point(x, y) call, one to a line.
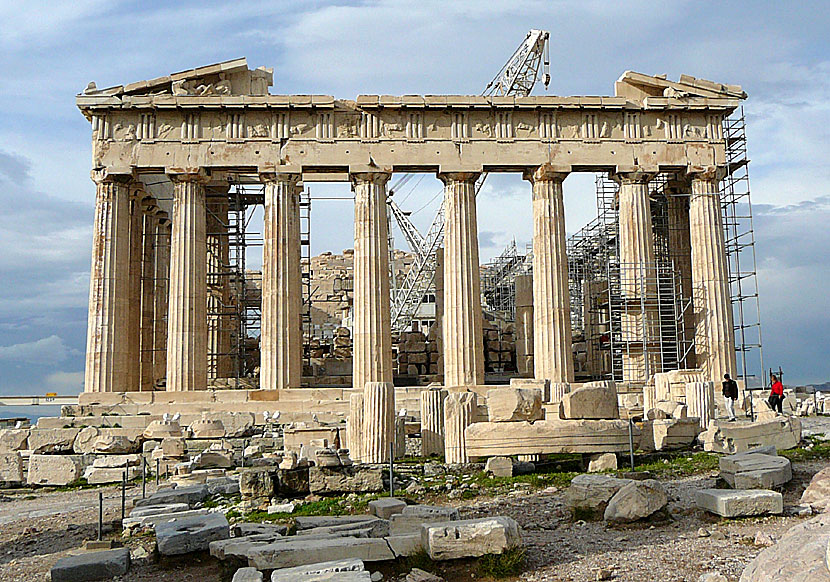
point(700, 401)
point(378, 421)
point(459, 410)
point(432, 421)
point(355, 426)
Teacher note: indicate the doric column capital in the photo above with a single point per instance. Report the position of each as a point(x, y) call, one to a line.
point(706, 173)
point(178, 175)
point(636, 177)
point(270, 177)
point(111, 175)
point(377, 177)
point(451, 177)
point(546, 173)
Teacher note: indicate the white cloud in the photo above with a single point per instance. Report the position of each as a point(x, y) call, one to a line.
point(48, 350)
point(64, 382)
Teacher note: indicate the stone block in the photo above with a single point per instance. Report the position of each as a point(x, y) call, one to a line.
point(192, 494)
point(190, 534)
point(156, 518)
point(258, 483)
point(161, 429)
point(674, 433)
point(489, 439)
point(739, 502)
point(100, 475)
point(386, 507)
point(590, 402)
point(11, 468)
point(14, 439)
point(52, 440)
point(54, 469)
point(405, 544)
point(158, 509)
point(783, 432)
point(90, 566)
point(588, 495)
point(328, 521)
point(755, 470)
point(351, 479)
point(817, 493)
point(247, 575)
point(470, 538)
point(602, 462)
point(296, 574)
point(115, 444)
point(414, 516)
point(173, 448)
point(287, 554)
point(208, 459)
point(636, 500)
point(113, 461)
point(514, 404)
point(204, 428)
point(499, 466)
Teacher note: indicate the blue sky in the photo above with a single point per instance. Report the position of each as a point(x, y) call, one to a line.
point(778, 52)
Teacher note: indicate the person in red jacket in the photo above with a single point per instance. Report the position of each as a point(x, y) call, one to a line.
point(776, 395)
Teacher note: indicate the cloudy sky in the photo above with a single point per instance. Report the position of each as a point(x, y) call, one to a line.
point(51, 50)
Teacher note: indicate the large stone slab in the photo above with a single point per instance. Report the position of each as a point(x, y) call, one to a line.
point(54, 469)
point(247, 575)
point(817, 493)
point(490, 439)
point(371, 528)
point(90, 566)
point(113, 461)
point(589, 494)
point(350, 479)
point(799, 556)
point(739, 502)
point(190, 534)
point(304, 572)
point(13, 439)
point(52, 440)
point(101, 475)
point(386, 507)
point(783, 432)
point(594, 402)
point(158, 509)
point(510, 404)
point(311, 521)
point(672, 433)
point(470, 538)
point(191, 494)
point(636, 500)
point(154, 519)
point(300, 552)
point(11, 468)
point(755, 471)
point(410, 520)
point(237, 548)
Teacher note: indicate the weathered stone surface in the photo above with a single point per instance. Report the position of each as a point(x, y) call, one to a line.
point(783, 432)
point(590, 402)
point(799, 556)
point(212, 459)
point(817, 493)
point(287, 554)
point(161, 429)
point(190, 534)
point(499, 466)
point(246, 529)
point(115, 444)
point(52, 440)
point(588, 495)
point(258, 483)
point(11, 468)
point(306, 572)
point(352, 479)
point(414, 516)
point(304, 522)
point(54, 469)
point(236, 424)
point(13, 439)
point(459, 413)
point(490, 439)
point(739, 503)
point(294, 482)
point(237, 548)
point(158, 509)
point(602, 462)
point(90, 566)
point(755, 471)
point(470, 537)
point(112, 461)
point(154, 519)
point(512, 404)
point(670, 433)
point(636, 500)
point(191, 495)
point(207, 429)
point(418, 575)
point(247, 575)
point(173, 448)
point(222, 486)
point(100, 475)
point(386, 507)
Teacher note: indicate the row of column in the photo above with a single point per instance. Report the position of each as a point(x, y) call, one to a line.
point(123, 278)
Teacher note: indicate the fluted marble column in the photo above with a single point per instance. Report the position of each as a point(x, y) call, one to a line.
point(160, 296)
point(134, 309)
point(637, 275)
point(372, 335)
point(552, 351)
point(355, 426)
point(432, 421)
point(148, 288)
point(187, 304)
point(106, 343)
point(700, 401)
point(281, 345)
point(463, 339)
point(218, 250)
point(459, 411)
point(680, 250)
point(378, 421)
point(714, 337)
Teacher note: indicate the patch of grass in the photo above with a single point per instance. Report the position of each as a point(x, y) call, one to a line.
point(815, 449)
point(535, 480)
point(420, 560)
point(509, 563)
point(327, 506)
point(675, 465)
point(76, 485)
point(233, 514)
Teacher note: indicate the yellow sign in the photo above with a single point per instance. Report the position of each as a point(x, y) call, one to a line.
point(51, 394)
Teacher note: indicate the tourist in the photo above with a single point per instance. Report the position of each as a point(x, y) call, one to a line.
point(776, 396)
point(730, 395)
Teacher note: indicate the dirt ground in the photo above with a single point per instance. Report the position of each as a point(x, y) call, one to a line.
point(36, 529)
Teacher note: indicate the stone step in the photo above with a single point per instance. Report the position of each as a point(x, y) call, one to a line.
point(740, 502)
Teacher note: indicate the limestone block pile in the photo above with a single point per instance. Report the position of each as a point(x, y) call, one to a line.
point(342, 343)
point(499, 347)
point(415, 354)
point(588, 423)
point(668, 426)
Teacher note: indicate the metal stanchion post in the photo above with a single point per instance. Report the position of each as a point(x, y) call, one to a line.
point(391, 468)
point(631, 442)
point(123, 497)
point(143, 477)
point(158, 472)
point(100, 515)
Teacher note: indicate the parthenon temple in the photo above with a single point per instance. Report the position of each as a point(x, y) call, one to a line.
point(166, 153)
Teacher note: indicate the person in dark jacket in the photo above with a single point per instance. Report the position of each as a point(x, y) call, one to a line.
point(730, 396)
point(776, 395)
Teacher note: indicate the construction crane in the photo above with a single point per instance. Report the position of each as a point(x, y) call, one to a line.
point(517, 77)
